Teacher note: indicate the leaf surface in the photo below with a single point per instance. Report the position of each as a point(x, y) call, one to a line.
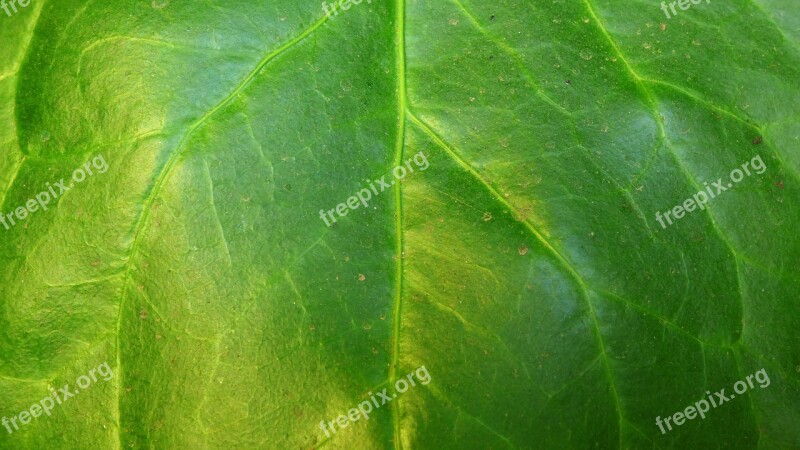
point(524, 267)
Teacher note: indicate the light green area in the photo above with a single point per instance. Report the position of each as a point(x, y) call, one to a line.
point(524, 268)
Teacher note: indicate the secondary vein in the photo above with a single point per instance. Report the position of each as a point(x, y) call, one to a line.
point(162, 178)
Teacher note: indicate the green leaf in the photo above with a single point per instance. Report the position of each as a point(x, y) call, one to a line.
point(524, 268)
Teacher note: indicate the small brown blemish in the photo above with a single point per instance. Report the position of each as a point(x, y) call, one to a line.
point(487, 217)
point(758, 140)
point(523, 250)
point(361, 277)
point(143, 314)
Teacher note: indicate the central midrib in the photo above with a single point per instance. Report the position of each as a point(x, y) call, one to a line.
point(398, 157)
